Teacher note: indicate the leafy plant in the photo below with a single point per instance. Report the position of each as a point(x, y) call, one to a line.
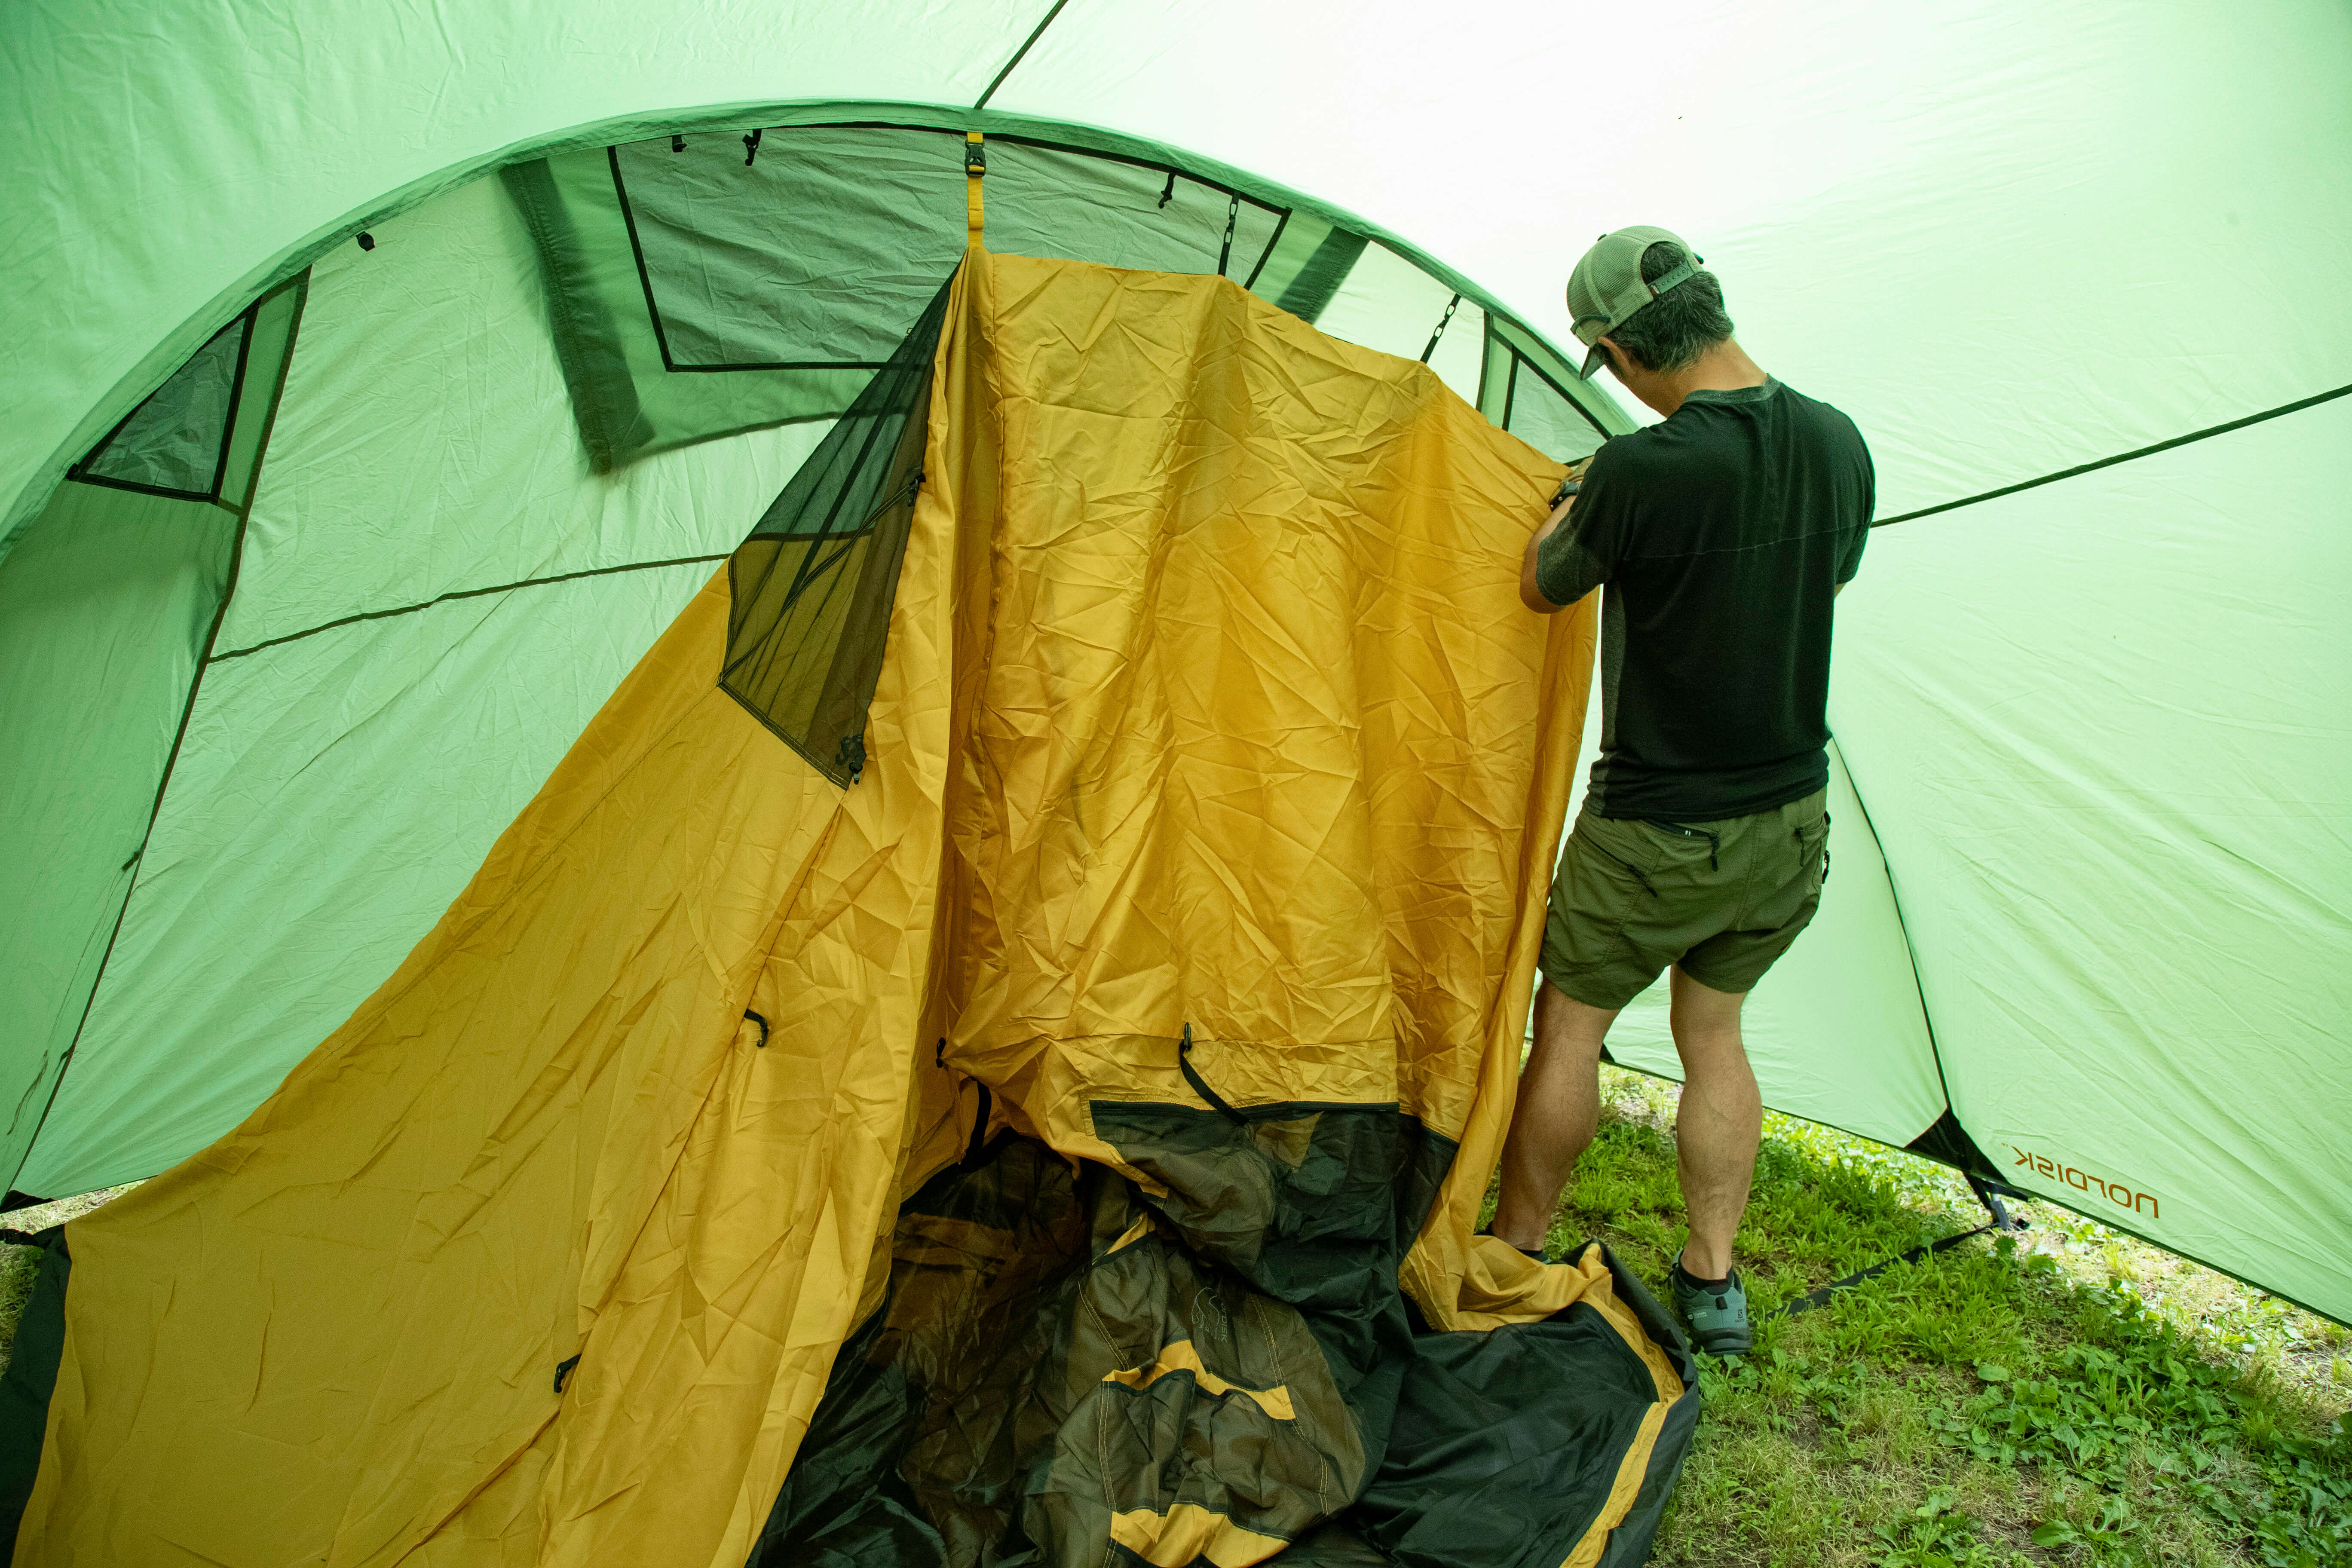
point(2141, 1401)
point(1935, 1535)
point(2081, 1401)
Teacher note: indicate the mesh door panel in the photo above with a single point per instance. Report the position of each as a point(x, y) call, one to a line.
point(812, 586)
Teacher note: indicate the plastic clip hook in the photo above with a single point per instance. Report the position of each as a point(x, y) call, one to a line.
point(751, 148)
point(1442, 322)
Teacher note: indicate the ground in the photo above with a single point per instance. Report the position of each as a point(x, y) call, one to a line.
point(2073, 1396)
point(2070, 1396)
point(19, 1264)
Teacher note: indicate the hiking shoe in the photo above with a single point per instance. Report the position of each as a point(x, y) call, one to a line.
point(1718, 1319)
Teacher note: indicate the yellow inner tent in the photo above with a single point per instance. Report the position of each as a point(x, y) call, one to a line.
point(1212, 747)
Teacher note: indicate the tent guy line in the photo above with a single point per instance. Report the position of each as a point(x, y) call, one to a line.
point(1020, 54)
point(2282, 409)
point(2296, 407)
point(464, 593)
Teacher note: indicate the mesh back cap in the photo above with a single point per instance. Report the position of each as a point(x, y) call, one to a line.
point(1606, 286)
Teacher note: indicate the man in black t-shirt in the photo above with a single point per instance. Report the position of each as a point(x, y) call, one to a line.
point(1721, 534)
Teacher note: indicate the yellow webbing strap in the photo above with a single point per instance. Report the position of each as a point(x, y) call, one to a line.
point(975, 164)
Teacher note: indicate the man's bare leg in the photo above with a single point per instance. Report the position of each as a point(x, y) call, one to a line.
point(1718, 1125)
point(1558, 1111)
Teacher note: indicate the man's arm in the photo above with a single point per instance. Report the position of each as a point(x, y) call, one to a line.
point(1530, 595)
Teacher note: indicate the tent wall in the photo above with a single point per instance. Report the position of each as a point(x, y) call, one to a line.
point(438, 587)
point(2005, 238)
point(2008, 241)
point(597, 1183)
point(171, 243)
point(704, 282)
point(81, 633)
point(340, 783)
point(106, 615)
point(554, 1135)
point(2028, 221)
point(2109, 716)
point(1836, 1032)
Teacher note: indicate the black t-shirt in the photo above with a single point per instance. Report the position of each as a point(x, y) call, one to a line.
point(1721, 534)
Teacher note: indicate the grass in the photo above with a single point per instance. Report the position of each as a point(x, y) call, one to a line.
point(18, 1265)
point(2071, 1397)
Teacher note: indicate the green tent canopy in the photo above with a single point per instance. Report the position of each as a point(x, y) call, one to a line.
point(378, 395)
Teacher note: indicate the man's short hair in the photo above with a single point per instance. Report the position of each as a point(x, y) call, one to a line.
point(1672, 330)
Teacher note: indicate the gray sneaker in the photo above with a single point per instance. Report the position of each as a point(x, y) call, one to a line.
point(1718, 1319)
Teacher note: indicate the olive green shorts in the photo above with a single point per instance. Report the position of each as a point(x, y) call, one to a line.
point(1723, 899)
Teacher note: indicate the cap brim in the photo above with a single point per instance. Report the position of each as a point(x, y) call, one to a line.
point(1592, 362)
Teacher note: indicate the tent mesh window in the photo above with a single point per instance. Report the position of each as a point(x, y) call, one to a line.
point(811, 587)
point(1523, 388)
point(819, 245)
point(176, 442)
point(1538, 413)
point(722, 279)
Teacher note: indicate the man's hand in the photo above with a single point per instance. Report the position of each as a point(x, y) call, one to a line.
point(1529, 593)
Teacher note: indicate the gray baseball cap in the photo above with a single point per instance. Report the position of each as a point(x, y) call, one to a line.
point(1606, 286)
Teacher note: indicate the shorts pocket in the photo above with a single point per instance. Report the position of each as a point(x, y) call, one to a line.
point(1601, 886)
point(1814, 851)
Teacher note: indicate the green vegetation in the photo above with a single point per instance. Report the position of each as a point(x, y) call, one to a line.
point(19, 1264)
point(2070, 1396)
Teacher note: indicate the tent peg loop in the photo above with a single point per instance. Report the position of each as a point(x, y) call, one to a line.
point(1216, 1101)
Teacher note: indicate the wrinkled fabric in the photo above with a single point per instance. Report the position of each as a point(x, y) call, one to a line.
point(1208, 701)
point(1263, 742)
point(334, 1335)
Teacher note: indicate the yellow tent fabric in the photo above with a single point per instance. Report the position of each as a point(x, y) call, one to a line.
point(333, 1335)
point(1208, 701)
